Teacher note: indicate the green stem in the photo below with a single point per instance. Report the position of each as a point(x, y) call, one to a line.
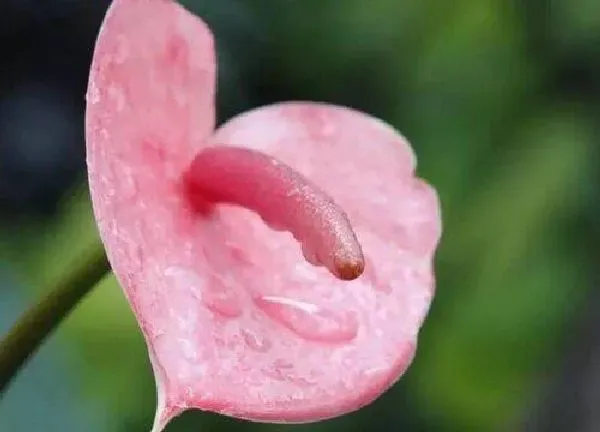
point(32, 328)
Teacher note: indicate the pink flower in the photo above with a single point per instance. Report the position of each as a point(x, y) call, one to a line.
point(239, 317)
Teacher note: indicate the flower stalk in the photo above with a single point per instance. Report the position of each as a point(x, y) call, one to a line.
point(37, 323)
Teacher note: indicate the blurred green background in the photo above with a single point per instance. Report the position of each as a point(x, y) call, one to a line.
point(501, 101)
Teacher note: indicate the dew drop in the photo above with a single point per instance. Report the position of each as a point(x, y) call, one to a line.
point(309, 321)
point(282, 370)
point(221, 299)
point(255, 341)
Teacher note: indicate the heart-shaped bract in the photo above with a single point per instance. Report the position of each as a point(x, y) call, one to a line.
point(239, 317)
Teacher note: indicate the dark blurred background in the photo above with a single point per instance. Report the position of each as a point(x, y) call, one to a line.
point(501, 100)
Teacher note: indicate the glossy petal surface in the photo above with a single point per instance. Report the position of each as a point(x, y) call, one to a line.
point(236, 320)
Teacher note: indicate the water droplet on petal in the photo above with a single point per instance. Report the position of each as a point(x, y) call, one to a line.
point(282, 370)
point(255, 341)
point(222, 299)
point(309, 321)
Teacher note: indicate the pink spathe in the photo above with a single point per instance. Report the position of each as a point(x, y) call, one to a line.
point(236, 318)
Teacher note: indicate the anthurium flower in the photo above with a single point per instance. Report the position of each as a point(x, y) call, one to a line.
point(239, 316)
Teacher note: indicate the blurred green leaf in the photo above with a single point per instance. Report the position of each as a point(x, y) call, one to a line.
point(513, 288)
